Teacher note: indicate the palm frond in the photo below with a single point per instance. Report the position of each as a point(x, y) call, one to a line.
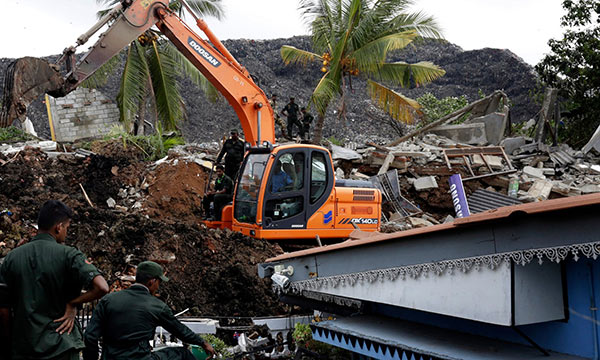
point(109, 4)
point(377, 50)
point(426, 26)
point(100, 77)
point(405, 74)
point(293, 55)
point(134, 82)
point(326, 90)
point(319, 15)
point(202, 8)
point(398, 106)
point(169, 103)
point(191, 72)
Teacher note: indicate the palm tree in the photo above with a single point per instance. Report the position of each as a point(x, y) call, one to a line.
point(354, 38)
point(152, 66)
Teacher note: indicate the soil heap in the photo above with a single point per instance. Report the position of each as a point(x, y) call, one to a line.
point(152, 215)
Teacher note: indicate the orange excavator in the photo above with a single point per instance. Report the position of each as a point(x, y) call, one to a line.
point(282, 191)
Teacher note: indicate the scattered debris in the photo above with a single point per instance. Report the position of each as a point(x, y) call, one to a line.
point(213, 271)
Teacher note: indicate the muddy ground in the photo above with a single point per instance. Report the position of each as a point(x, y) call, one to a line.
point(212, 272)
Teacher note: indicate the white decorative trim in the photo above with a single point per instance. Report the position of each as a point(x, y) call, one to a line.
point(524, 257)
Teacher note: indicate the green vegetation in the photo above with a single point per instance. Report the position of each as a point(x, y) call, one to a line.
point(153, 146)
point(14, 134)
point(573, 67)
point(335, 141)
point(303, 337)
point(354, 38)
point(434, 108)
point(219, 346)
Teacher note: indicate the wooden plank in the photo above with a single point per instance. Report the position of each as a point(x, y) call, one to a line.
point(386, 163)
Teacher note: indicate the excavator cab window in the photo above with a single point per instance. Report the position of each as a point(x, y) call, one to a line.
point(248, 187)
point(318, 176)
point(285, 203)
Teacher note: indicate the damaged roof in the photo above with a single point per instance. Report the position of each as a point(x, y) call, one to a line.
point(487, 216)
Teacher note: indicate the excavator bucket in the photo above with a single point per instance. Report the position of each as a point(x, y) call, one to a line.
point(26, 79)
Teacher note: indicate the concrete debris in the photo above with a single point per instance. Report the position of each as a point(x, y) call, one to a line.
point(539, 191)
point(111, 203)
point(424, 164)
point(512, 144)
point(495, 126)
point(418, 222)
point(495, 162)
point(590, 188)
point(425, 183)
point(534, 172)
point(448, 219)
point(341, 153)
point(473, 134)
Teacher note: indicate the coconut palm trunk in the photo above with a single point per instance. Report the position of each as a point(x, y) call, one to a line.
point(318, 132)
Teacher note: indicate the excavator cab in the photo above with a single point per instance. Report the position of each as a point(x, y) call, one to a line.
point(289, 192)
point(279, 190)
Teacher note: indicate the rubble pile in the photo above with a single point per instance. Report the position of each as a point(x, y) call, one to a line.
point(425, 164)
point(213, 271)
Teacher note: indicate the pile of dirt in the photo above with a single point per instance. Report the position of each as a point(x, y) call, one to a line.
point(212, 272)
point(175, 191)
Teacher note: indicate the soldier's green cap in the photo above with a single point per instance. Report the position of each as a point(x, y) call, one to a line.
point(234, 131)
point(153, 269)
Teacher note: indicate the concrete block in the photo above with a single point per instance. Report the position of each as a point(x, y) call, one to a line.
point(494, 161)
point(473, 134)
point(512, 144)
point(425, 183)
point(540, 190)
point(590, 188)
point(495, 126)
point(419, 223)
point(534, 172)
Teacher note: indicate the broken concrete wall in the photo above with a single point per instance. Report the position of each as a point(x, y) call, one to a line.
point(495, 126)
point(473, 134)
point(83, 113)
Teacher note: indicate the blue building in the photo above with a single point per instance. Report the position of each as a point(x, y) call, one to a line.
point(518, 282)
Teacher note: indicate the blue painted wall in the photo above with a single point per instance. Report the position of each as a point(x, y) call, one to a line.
point(576, 336)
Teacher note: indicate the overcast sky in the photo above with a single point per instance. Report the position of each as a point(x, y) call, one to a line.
point(41, 27)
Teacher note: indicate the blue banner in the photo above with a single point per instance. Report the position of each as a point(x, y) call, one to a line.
point(459, 198)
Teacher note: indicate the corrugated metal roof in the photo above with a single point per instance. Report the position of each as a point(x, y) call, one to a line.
point(490, 215)
point(483, 200)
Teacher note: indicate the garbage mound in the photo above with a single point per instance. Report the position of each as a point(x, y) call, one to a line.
point(128, 211)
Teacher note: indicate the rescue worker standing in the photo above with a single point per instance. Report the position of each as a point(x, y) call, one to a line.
point(44, 279)
point(234, 148)
point(291, 110)
point(307, 119)
point(220, 196)
point(126, 321)
point(278, 120)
